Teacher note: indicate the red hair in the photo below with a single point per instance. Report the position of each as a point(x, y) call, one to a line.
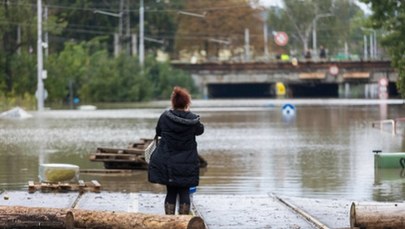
point(180, 98)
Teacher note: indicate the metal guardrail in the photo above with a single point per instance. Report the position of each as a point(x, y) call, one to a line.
point(394, 123)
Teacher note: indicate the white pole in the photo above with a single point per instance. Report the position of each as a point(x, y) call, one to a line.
point(371, 47)
point(375, 45)
point(46, 33)
point(365, 47)
point(141, 35)
point(246, 44)
point(134, 44)
point(265, 39)
point(40, 86)
point(314, 36)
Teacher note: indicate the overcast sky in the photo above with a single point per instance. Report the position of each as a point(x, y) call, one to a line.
point(279, 3)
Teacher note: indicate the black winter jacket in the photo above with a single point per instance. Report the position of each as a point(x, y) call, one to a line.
point(175, 162)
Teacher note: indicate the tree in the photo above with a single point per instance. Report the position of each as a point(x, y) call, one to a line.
point(18, 42)
point(389, 16)
point(333, 21)
point(222, 26)
point(14, 17)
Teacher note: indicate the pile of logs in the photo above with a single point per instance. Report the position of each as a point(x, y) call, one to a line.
point(35, 217)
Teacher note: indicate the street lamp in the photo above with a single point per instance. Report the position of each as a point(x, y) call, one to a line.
point(192, 14)
point(314, 45)
point(117, 39)
point(108, 13)
point(141, 35)
point(40, 84)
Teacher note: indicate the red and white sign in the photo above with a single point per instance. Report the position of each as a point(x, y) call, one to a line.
point(334, 70)
point(383, 82)
point(281, 38)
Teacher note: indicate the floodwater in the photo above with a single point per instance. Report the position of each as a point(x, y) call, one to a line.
point(322, 150)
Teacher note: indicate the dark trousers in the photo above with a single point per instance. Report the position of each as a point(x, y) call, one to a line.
point(174, 191)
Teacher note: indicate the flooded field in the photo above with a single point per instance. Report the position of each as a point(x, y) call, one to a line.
point(324, 150)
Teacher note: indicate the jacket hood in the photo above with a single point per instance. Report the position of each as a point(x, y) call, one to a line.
point(182, 117)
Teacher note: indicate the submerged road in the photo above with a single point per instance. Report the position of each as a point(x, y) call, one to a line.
point(218, 211)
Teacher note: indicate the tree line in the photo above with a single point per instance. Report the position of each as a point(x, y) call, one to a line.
point(388, 16)
point(80, 60)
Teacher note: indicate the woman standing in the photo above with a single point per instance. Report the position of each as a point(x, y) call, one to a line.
point(175, 163)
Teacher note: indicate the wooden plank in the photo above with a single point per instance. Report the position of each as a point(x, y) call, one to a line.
point(129, 160)
point(97, 186)
point(143, 143)
point(113, 155)
point(31, 187)
point(122, 151)
point(106, 171)
point(81, 186)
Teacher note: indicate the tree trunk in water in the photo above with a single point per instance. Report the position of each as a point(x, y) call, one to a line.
point(29, 217)
point(377, 215)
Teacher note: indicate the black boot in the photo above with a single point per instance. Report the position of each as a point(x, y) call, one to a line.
point(170, 208)
point(184, 209)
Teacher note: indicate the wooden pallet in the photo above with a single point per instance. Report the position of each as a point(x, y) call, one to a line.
point(131, 158)
point(143, 143)
point(80, 186)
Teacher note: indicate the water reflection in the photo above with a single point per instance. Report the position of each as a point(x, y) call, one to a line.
point(322, 151)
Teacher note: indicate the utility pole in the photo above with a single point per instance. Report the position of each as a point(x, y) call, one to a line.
point(118, 37)
point(247, 51)
point(314, 38)
point(126, 24)
point(46, 32)
point(365, 47)
point(371, 46)
point(40, 85)
point(141, 35)
point(265, 41)
point(120, 26)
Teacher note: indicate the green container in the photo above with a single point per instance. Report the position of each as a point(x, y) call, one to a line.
point(389, 160)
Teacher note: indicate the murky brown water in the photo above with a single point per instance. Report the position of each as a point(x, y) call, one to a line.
point(323, 151)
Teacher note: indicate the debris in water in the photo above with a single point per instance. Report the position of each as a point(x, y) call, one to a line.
point(16, 113)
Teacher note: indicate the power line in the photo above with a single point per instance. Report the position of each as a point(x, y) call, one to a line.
point(174, 10)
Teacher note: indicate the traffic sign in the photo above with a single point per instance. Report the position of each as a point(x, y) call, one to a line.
point(45, 94)
point(281, 38)
point(334, 70)
point(383, 82)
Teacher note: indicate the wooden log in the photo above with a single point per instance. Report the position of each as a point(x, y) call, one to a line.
point(377, 215)
point(34, 217)
point(24, 217)
point(108, 219)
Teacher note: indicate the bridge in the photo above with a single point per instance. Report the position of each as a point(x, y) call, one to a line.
point(331, 79)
